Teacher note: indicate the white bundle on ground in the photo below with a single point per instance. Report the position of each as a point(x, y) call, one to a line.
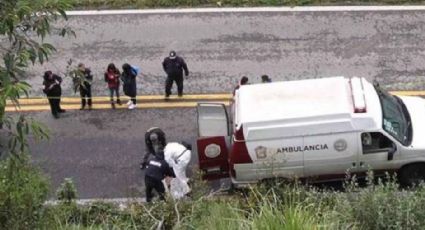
point(178, 189)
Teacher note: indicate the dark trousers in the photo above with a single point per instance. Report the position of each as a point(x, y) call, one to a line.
point(169, 84)
point(55, 105)
point(151, 184)
point(117, 94)
point(85, 93)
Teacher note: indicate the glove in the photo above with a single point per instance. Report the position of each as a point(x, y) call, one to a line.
point(143, 165)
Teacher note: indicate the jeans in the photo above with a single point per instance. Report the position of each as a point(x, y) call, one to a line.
point(117, 94)
point(85, 93)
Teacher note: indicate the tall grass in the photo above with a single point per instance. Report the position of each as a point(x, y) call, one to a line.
point(273, 205)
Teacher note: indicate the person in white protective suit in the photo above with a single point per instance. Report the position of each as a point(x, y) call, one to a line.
point(178, 157)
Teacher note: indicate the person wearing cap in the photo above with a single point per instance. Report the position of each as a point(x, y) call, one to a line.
point(174, 66)
point(84, 84)
point(53, 91)
point(154, 141)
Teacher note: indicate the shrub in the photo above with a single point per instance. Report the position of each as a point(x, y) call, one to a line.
point(66, 191)
point(23, 190)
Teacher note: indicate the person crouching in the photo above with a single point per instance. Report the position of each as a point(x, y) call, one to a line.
point(156, 171)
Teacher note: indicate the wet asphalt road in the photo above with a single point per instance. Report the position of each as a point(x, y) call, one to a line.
point(221, 47)
point(101, 149)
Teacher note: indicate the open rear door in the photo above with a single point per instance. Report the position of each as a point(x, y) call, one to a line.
point(213, 132)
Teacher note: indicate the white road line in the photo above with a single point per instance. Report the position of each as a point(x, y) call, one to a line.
point(249, 9)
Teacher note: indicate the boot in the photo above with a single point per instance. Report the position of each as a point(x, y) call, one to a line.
point(113, 105)
point(119, 102)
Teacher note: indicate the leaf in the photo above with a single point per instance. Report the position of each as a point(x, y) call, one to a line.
point(63, 14)
point(40, 57)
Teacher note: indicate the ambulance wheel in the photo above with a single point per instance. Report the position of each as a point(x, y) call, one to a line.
point(412, 175)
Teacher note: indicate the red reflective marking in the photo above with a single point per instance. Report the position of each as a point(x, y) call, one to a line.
point(239, 153)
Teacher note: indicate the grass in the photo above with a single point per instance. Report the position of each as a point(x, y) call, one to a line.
point(141, 4)
point(276, 205)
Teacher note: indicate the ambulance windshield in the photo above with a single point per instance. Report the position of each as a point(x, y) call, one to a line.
point(396, 118)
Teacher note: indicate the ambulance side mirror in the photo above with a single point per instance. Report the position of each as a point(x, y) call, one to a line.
point(392, 151)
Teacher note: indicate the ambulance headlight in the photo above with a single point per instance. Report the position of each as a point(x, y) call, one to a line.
point(212, 150)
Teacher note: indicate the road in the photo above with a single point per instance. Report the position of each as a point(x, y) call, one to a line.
point(220, 47)
point(101, 149)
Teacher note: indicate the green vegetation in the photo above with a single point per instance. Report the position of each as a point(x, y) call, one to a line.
point(276, 204)
point(131, 4)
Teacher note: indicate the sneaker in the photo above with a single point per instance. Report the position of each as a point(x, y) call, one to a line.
point(129, 102)
point(132, 106)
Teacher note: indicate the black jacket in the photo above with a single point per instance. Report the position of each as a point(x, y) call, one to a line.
point(88, 77)
point(129, 83)
point(158, 168)
point(175, 67)
point(52, 86)
point(148, 143)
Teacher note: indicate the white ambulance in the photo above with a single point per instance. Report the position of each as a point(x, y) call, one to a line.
point(312, 129)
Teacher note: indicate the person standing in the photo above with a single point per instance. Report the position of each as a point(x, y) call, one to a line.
point(112, 77)
point(178, 157)
point(265, 79)
point(154, 141)
point(129, 84)
point(174, 66)
point(53, 91)
point(156, 171)
point(243, 81)
point(85, 81)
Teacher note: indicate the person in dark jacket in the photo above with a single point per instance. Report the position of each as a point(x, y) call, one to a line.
point(243, 81)
point(155, 141)
point(265, 79)
point(174, 66)
point(85, 80)
point(112, 77)
point(156, 170)
point(53, 90)
point(129, 84)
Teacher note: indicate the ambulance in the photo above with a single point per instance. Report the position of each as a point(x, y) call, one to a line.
point(315, 129)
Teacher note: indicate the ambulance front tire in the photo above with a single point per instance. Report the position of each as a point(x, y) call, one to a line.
point(412, 175)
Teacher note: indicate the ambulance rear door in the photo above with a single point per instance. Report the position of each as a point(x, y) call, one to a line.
point(213, 140)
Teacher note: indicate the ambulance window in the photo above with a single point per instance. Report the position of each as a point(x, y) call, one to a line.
point(375, 142)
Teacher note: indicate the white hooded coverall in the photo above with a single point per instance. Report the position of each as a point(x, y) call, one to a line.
point(178, 157)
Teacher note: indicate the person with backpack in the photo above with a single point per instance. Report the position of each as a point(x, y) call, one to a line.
point(128, 78)
point(112, 77)
point(178, 156)
point(174, 66)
